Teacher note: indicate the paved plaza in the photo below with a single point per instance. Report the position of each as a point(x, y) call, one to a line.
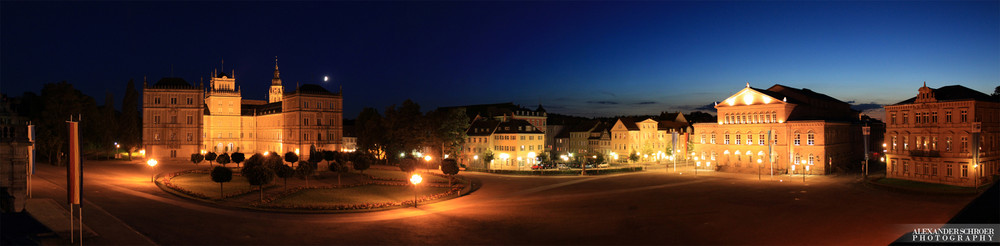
point(657, 206)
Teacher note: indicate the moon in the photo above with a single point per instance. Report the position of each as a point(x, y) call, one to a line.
point(326, 78)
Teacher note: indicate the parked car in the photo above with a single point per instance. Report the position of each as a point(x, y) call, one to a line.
point(536, 167)
point(563, 167)
point(604, 165)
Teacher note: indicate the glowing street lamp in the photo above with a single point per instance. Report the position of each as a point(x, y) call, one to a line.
point(803, 170)
point(415, 179)
point(152, 166)
point(427, 158)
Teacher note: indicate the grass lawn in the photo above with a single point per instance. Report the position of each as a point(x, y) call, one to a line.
point(396, 174)
point(202, 183)
point(357, 195)
point(922, 185)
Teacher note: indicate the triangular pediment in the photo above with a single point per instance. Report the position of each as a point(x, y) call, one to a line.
point(749, 96)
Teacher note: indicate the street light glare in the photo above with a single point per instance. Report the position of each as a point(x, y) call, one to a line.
point(415, 179)
point(151, 162)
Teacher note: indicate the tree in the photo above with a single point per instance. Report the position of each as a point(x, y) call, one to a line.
point(543, 158)
point(254, 160)
point(210, 157)
point(304, 170)
point(221, 175)
point(108, 124)
point(633, 157)
point(197, 158)
point(291, 157)
point(130, 122)
point(336, 167)
point(330, 156)
point(238, 158)
point(273, 161)
point(996, 93)
point(284, 171)
point(370, 133)
point(258, 175)
point(60, 101)
point(599, 159)
point(315, 157)
point(449, 167)
point(408, 164)
point(488, 157)
point(448, 129)
point(223, 159)
point(361, 161)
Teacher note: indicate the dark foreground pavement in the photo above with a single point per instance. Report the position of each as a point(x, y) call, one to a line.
point(653, 207)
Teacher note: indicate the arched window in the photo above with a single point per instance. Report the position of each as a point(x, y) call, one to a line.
point(811, 138)
point(713, 138)
point(797, 138)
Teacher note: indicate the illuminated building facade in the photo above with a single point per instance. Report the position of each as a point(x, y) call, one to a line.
point(513, 143)
point(650, 139)
point(180, 119)
point(804, 132)
point(933, 137)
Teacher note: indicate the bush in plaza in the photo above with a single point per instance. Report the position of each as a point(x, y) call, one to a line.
point(223, 159)
point(258, 175)
point(273, 161)
point(197, 158)
point(291, 157)
point(450, 168)
point(284, 171)
point(238, 158)
point(254, 160)
point(304, 170)
point(221, 175)
point(408, 164)
point(360, 162)
point(210, 157)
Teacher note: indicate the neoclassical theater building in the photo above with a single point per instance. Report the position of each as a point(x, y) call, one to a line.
point(180, 119)
point(789, 130)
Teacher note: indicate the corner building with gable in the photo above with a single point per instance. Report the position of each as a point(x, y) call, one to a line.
point(789, 130)
point(180, 119)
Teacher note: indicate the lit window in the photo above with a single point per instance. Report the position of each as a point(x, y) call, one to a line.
point(811, 138)
point(797, 138)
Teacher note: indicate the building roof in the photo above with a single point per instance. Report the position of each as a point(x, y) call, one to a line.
point(585, 126)
point(629, 123)
point(259, 109)
point(564, 133)
point(312, 89)
point(222, 74)
point(482, 127)
point(516, 126)
point(492, 110)
point(954, 93)
point(172, 83)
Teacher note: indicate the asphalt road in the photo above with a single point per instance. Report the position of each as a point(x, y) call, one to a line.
point(652, 207)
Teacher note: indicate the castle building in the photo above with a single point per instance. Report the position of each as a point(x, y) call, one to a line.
point(805, 132)
point(946, 135)
point(180, 119)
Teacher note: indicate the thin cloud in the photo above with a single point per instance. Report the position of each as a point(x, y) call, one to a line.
point(644, 103)
point(603, 102)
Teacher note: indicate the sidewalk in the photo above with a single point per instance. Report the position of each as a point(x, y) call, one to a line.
point(49, 184)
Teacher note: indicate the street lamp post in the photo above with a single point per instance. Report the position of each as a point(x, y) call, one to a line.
point(803, 170)
point(152, 167)
point(867, 132)
point(696, 165)
point(415, 179)
point(759, 161)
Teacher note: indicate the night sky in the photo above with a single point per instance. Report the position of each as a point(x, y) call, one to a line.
point(588, 58)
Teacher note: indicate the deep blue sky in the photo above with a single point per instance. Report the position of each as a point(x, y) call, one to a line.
point(582, 58)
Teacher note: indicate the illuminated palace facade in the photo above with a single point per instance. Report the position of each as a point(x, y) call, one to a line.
point(933, 137)
point(180, 119)
point(805, 133)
